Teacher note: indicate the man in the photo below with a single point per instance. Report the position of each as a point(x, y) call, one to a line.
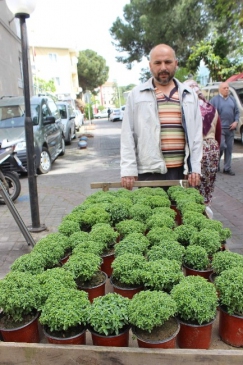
point(229, 116)
point(161, 137)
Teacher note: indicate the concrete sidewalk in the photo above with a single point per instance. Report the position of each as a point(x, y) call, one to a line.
point(68, 184)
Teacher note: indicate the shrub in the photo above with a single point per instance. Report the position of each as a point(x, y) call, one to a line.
point(119, 210)
point(105, 233)
point(194, 219)
point(64, 309)
point(109, 314)
point(196, 299)
point(33, 262)
point(68, 227)
point(230, 287)
point(140, 212)
point(196, 258)
point(184, 233)
point(93, 215)
point(160, 220)
point(170, 250)
point(207, 239)
point(161, 274)
point(128, 268)
point(135, 243)
point(130, 226)
point(225, 260)
point(150, 309)
point(78, 237)
point(83, 266)
point(164, 210)
point(158, 235)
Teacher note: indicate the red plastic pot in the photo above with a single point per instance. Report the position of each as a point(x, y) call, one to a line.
point(95, 291)
point(78, 339)
point(106, 265)
point(192, 336)
point(120, 340)
point(230, 328)
point(127, 292)
point(204, 273)
point(27, 333)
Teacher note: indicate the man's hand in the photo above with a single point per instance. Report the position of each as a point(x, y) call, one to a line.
point(194, 179)
point(128, 182)
point(233, 126)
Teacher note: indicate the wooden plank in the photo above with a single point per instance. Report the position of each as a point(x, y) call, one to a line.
point(105, 186)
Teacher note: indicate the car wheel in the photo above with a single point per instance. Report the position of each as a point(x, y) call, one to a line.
point(69, 139)
point(45, 161)
point(63, 147)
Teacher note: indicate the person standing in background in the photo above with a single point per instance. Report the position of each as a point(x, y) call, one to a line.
point(229, 116)
point(109, 113)
point(211, 144)
point(161, 136)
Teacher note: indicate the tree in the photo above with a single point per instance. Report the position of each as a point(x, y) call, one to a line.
point(92, 70)
point(179, 23)
point(214, 54)
point(42, 85)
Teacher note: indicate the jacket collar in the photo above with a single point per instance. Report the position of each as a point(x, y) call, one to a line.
point(148, 85)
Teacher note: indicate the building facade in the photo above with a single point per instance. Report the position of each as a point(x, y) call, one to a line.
point(11, 80)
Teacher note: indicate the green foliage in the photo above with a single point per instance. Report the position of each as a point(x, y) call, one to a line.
point(44, 86)
point(68, 227)
point(120, 209)
point(92, 70)
point(135, 243)
point(33, 262)
point(160, 220)
point(196, 258)
point(78, 237)
point(140, 212)
point(128, 226)
point(171, 250)
point(148, 191)
point(161, 274)
point(216, 225)
point(135, 37)
point(128, 268)
point(52, 280)
point(150, 309)
point(83, 266)
point(95, 247)
point(20, 294)
point(74, 216)
point(185, 205)
point(164, 210)
point(108, 314)
point(65, 308)
point(230, 286)
point(184, 233)
point(225, 260)
point(173, 190)
point(105, 233)
point(196, 299)
point(194, 219)
point(51, 250)
point(158, 235)
point(93, 215)
point(207, 239)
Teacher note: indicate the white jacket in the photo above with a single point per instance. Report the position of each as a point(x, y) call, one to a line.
point(140, 134)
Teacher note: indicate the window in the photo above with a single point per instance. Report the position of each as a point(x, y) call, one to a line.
point(56, 81)
point(53, 109)
point(53, 57)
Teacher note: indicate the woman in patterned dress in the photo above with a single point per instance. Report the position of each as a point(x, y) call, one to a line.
point(211, 143)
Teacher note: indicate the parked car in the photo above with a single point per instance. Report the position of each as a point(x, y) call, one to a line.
point(68, 120)
point(79, 119)
point(48, 133)
point(236, 89)
point(116, 114)
point(101, 114)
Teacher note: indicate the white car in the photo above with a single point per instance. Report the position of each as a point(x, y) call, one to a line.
point(116, 114)
point(79, 119)
point(101, 114)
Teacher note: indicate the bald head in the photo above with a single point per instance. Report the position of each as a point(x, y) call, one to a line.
point(224, 89)
point(162, 49)
point(163, 64)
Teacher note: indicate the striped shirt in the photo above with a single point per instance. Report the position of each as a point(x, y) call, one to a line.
point(172, 132)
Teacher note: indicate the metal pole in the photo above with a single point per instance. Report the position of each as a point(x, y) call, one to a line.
point(29, 135)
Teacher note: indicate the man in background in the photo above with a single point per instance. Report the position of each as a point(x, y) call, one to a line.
point(229, 116)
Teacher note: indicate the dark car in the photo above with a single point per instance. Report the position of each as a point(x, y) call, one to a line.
point(48, 133)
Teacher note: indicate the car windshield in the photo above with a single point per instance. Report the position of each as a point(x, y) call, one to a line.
point(14, 116)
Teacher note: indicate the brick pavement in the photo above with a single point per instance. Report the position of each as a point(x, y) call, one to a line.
point(68, 184)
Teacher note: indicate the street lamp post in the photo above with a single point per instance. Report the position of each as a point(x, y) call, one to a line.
point(22, 10)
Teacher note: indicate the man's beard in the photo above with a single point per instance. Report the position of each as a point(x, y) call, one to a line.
point(166, 80)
